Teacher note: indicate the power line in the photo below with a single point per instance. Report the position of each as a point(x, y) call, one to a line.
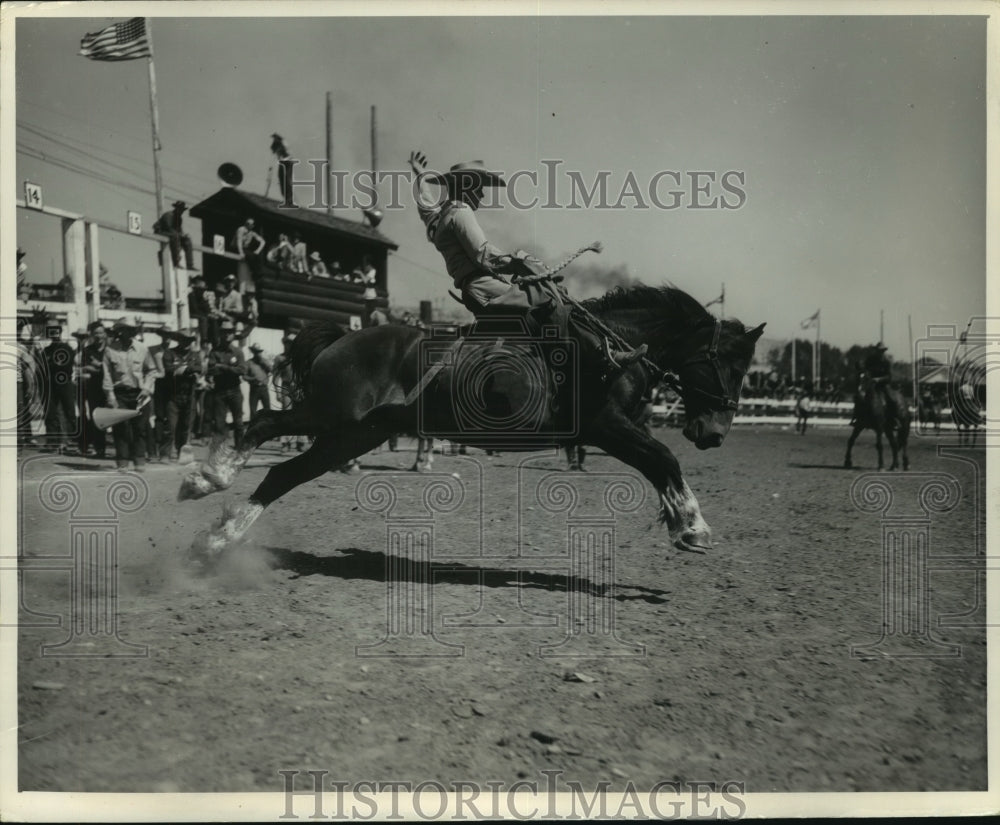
point(45, 133)
point(70, 166)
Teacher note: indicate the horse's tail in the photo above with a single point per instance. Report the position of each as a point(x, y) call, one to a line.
point(308, 344)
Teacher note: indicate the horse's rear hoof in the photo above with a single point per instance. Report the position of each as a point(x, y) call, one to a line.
point(194, 486)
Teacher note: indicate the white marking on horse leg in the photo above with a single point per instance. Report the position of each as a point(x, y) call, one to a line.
point(682, 515)
point(234, 524)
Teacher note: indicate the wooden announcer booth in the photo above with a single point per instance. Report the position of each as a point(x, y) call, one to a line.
point(283, 296)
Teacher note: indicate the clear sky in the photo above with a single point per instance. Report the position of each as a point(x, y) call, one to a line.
point(862, 141)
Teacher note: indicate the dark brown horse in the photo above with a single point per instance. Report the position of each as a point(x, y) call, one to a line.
point(501, 391)
point(872, 414)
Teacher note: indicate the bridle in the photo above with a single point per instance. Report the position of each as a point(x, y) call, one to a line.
point(722, 400)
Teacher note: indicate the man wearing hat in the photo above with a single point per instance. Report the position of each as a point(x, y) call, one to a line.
point(171, 225)
point(477, 267)
point(129, 372)
point(226, 368)
point(284, 167)
point(92, 379)
point(182, 366)
point(879, 372)
point(317, 269)
point(200, 307)
point(60, 411)
point(231, 300)
point(258, 371)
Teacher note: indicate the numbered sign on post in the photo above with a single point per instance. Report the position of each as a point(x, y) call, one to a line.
point(134, 223)
point(32, 195)
point(355, 322)
point(218, 244)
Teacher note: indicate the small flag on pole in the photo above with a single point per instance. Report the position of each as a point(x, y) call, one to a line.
point(122, 41)
point(719, 300)
point(811, 320)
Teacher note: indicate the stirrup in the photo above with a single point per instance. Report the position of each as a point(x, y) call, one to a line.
point(623, 358)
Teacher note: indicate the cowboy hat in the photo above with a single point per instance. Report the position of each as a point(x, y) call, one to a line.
point(256, 348)
point(81, 333)
point(229, 277)
point(469, 170)
point(179, 205)
point(123, 326)
point(315, 257)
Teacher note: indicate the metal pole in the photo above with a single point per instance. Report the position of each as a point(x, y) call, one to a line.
point(793, 359)
point(374, 140)
point(913, 356)
point(329, 151)
point(881, 326)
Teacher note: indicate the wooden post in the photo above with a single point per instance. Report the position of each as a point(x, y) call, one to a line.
point(166, 267)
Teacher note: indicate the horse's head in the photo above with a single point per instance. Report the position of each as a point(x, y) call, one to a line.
point(711, 378)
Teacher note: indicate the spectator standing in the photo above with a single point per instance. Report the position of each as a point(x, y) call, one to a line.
point(23, 289)
point(370, 279)
point(231, 300)
point(281, 372)
point(27, 374)
point(226, 368)
point(299, 262)
point(336, 272)
point(171, 224)
point(183, 367)
point(281, 253)
point(129, 372)
point(60, 412)
point(92, 379)
point(258, 372)
point(200, 307)
point(249, 245)
point(158, 435)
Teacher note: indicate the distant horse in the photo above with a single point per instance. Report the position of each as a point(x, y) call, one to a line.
point(354, 390)
point(803, 409)
point(929, 410)
point(872, 415)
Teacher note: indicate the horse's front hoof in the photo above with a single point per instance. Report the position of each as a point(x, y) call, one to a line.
point(195, 486)
point(691, 542)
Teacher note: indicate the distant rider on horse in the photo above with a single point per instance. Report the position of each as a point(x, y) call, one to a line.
point(477, 267)
point(879, 374)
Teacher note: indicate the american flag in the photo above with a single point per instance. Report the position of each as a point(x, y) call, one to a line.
point(122, 41)
point(811, 321)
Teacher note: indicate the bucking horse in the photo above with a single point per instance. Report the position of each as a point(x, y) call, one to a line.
point(355, 389)
point(872, 414)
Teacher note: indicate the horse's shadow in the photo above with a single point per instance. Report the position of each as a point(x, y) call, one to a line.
point(354, 563)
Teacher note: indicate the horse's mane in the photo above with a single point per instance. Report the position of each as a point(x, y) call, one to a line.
point(663, 304)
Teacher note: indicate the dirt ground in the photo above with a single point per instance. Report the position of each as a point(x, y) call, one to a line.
point(732, 666)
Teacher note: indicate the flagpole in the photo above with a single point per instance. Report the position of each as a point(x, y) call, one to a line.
point(818, 373)
point(157, 174)
point(166, 264)
point(793, 358)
